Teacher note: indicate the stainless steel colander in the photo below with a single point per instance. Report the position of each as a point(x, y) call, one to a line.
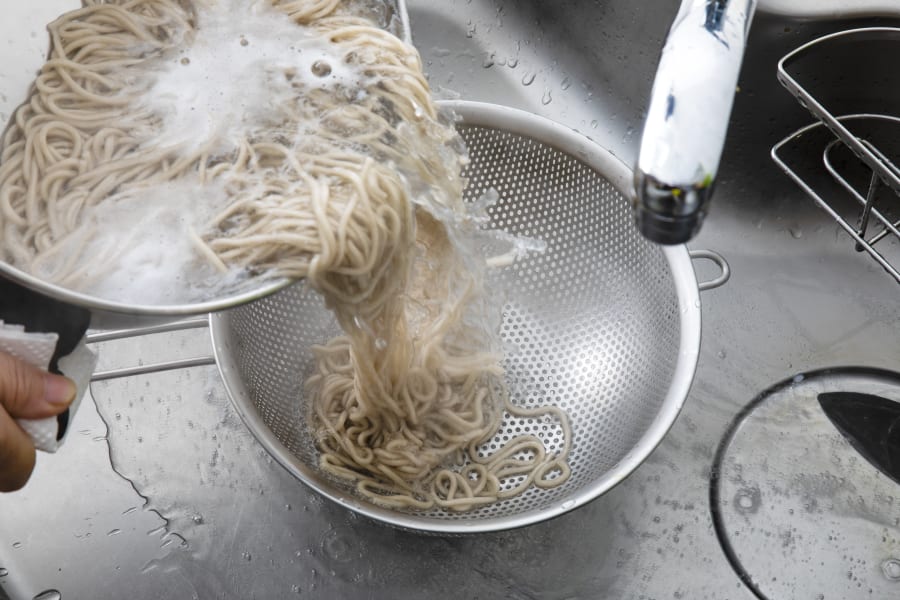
point(603, 324)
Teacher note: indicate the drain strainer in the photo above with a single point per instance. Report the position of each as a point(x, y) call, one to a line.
point(799, 511)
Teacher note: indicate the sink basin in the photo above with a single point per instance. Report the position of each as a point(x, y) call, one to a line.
point(160, 492)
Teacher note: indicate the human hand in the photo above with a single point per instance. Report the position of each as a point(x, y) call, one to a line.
point(26, 392)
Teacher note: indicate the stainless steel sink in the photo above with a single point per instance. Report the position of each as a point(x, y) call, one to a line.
point(161, 493)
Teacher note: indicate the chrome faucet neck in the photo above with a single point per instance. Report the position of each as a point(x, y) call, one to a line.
point(687, 118)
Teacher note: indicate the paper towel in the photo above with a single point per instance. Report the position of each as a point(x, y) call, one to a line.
point(37, 349)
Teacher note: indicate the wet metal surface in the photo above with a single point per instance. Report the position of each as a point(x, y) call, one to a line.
point(162, 493)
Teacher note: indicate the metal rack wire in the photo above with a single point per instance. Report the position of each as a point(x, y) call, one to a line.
point(846, 162)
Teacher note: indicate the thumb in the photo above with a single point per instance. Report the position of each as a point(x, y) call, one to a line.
point(30, 393)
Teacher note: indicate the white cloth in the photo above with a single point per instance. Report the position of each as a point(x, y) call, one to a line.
point(37, 349)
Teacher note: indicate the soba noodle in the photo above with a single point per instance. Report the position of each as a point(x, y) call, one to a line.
point(327, 160)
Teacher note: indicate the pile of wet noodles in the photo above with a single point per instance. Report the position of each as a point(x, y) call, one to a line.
point(174, 145)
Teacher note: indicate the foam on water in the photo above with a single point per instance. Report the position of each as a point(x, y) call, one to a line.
point(141, 243)
point(244, 63)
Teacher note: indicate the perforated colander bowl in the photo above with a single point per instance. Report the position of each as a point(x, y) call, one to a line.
point(602, 324)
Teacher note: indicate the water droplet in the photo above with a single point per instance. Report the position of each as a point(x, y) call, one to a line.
point(114, 531)
point(197, 519)
point(3, 572)
point(472, 30)
point(246, 556)
point(48, 595)
point(17, 545)
point(512, 63)
point(566, 83)
point(796, 232)
point(747, 500)
point(547, 98)
point(295, 588)
point(891, 569)
point(321, 68)
point(594, 124)
point(528, 78)
point(567, 504)
point(798, 378)
point(722, 354)
point(337, 548)
point(488, 61)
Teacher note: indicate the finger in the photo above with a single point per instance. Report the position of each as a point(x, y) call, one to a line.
point(30, 393)
point(16, 454)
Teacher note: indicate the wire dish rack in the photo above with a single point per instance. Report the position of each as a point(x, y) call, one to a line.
point(847, 161)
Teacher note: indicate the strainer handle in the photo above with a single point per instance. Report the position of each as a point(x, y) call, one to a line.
point(119, 334)
point(720, 262)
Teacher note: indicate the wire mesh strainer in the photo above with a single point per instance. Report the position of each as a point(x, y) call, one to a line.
point(603, 324)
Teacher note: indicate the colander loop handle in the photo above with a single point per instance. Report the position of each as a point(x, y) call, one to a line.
point(720, 262)
point(120, 334)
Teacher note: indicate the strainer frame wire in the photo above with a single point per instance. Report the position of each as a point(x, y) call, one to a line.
point(602, 161)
